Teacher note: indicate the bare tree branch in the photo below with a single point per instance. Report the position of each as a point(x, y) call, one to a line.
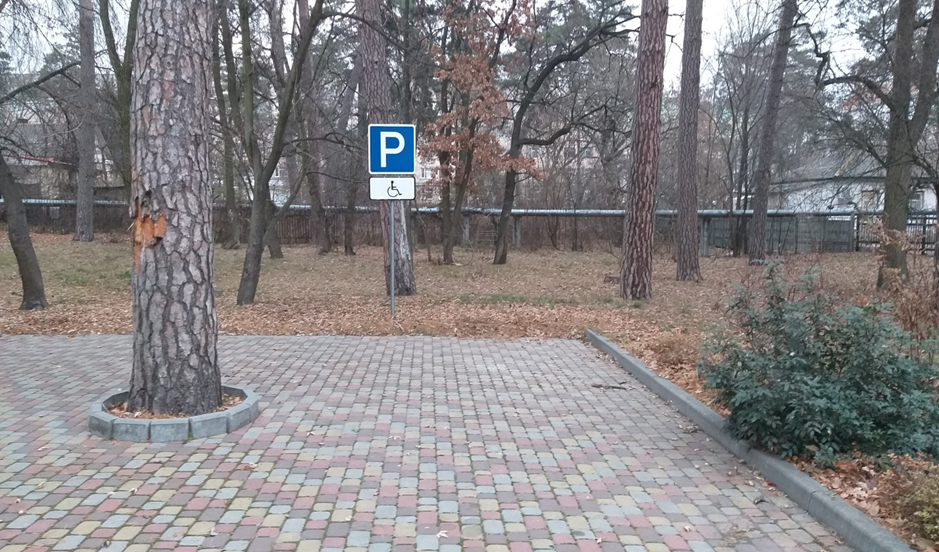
point(36, 83)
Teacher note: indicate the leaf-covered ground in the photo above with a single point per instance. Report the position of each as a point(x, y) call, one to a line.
point(538, 294)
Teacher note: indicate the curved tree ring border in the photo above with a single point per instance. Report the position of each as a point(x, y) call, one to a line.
point(103, 424)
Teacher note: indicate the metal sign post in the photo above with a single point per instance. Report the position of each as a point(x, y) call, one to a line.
point(392, 151)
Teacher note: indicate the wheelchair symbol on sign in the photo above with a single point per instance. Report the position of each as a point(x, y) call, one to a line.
point(393, 191)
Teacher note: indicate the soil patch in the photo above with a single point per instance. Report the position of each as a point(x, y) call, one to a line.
point(120, 410)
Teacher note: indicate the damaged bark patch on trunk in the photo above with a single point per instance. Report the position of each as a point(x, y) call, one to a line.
point(147, 232)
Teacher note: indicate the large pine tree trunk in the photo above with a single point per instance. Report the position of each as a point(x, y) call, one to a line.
point(34, 293)
point(687, 244)
point(175, 366)
point(899, 147)
point(757, 242)
point(85, 192)
point(377, 93)
point(636, 273)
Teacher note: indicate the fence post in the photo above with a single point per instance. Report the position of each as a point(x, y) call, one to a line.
point(704, 224)
point(517, 231)
point(923, 247)
point(857, 232)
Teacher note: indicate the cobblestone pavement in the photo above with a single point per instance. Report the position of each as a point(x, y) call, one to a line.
point(379, 444)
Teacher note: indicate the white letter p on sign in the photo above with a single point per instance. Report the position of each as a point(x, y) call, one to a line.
point(385, 150)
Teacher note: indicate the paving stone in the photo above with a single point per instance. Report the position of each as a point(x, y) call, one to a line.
point(377, 445)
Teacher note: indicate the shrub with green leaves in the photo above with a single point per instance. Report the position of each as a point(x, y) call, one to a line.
point(806, 376)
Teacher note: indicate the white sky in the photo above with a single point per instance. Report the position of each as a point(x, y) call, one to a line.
point(714, 20)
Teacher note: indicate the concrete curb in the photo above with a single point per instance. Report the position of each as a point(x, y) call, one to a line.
point(102, 424)
point(856, 528)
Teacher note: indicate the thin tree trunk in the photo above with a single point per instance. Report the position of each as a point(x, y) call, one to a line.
point(508, 202)
point(686, 237)
point(34, 293)
point(761, 179)
point(446, 226)
point(85, 192)
point(175, 364)
point(743, 186)
point(228, 141)
point(356, 176)
point(308, 120)
point(271, 238)
point(123, 71)
point(262, 230)
point(636, 273)
point(377, 92)
point(319, 219)
point(348, 219)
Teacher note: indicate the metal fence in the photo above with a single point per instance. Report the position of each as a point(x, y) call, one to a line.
point(721, 231)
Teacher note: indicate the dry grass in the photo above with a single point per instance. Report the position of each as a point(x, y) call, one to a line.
point(538, 294)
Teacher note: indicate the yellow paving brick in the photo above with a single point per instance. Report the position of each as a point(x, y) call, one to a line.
point(162, 496)
point(201, 528)
point(69, 503)
point(578, 523)
point(489, 505)
point(308, 546)
point(126, 533)
point(365, 506)
point(273, 520)
point(240, 504)
point(213, 483)
point(86, 527)
point(289, 537)
point(405, 530)
point(341, 515)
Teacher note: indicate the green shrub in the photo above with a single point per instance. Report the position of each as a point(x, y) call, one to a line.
point(805, 376)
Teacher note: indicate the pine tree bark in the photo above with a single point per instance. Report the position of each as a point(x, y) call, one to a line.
point(899, 148)
point(34, 293)
point(639, 226)
point(686, 237)
point(175, 364)
point(376, 88)
point(85, 192)
point(757, 241)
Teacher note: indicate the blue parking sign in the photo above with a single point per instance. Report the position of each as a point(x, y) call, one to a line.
point(391, 149)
